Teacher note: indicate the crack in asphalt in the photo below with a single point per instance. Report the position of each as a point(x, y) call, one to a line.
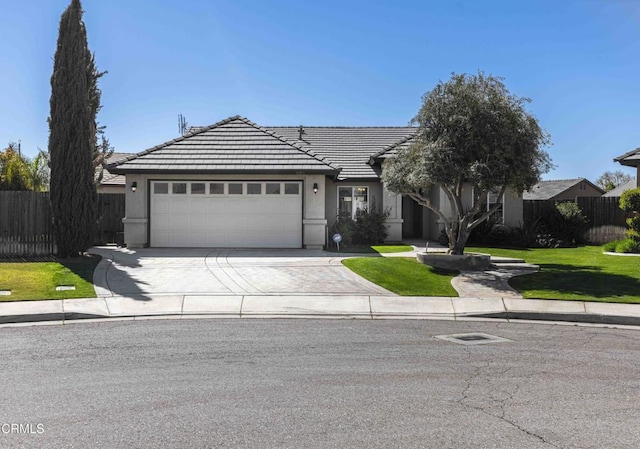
point(501, 402)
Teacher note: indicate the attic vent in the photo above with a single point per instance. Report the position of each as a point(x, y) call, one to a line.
point(472, 339)
point(301, 132)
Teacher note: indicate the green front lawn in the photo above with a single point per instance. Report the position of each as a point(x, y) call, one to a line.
point(582, 273)
point(38, 280)
point(403, 275)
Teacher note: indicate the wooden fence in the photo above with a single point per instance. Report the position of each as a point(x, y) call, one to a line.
point(111, 212)
point(26, 229)
point(606, 221)
point(25, 224)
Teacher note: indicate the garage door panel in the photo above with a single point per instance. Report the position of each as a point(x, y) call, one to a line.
point(199, 206)
point(161, 204)
point(208, 220)
point(177, 222)
point(179, 206)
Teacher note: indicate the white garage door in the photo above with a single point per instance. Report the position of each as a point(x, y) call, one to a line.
point(240, 214)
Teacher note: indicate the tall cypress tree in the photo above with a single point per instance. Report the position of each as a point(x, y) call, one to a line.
point(72, 136)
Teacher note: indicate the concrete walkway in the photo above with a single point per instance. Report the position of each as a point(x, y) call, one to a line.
point(491, 284)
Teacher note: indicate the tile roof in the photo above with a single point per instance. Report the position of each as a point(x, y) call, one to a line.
point(233, 145)
point(110, 178)
point(631, 158)
point(392, 150)
point(349, 148)
point(546, 190)
point(621, 188)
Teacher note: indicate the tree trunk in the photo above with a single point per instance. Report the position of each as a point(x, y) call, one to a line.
point(460, 243)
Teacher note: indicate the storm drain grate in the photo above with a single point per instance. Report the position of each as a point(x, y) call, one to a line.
point(472, 339)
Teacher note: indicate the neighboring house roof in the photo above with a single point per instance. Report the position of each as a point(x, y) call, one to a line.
point(621, 188)
point(349, 148)
point(631, 158)
point(233, 145)
point(110, 179)
point(546, 190)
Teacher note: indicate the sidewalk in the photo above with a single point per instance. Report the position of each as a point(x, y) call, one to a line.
point(321, 306)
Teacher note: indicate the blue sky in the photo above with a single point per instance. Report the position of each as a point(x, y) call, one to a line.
point(345, 63)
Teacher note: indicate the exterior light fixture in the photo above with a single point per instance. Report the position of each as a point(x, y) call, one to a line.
point(134, 186)
point(315, 187)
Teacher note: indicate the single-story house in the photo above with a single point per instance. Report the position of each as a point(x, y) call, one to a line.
point(631, 159)
point(238, 184)
point(562, 190)
point(621, 188)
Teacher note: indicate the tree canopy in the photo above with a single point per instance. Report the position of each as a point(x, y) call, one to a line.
point(609, 180)
point(18, 172)
point(471, 131)
point(74, 103)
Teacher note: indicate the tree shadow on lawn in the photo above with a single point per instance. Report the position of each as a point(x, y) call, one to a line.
point(578, 280)
point(82, 266)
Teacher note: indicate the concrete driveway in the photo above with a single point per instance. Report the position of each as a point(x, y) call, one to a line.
point(204, 271)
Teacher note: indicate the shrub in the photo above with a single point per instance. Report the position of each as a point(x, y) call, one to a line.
point(634, 228)
point(368, 227)
point(628, 246)
point(630, 200)
point(501, 235)
point(344, 226)
point(572, 221)
point(549, 241)
point(610, 247)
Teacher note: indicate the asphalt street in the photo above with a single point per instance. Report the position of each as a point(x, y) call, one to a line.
point(209, 383)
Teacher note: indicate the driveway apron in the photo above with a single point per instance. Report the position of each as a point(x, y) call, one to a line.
point(205, 271)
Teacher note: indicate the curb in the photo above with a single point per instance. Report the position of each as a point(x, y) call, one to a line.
point(564, 317)
point(503, 316)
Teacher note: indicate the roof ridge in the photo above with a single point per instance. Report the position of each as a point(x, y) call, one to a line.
point(342, 127)
point(296, 145)
point(393, 145)
point(566, 179)
point(169, 142)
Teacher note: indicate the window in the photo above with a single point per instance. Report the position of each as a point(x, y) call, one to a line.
point(161, 187)
point(197, 188)
point(179, 188)
point(216, 188)
point(352, 201)
point(273, 188)
point(235, 188)
point(492, 198)
point(254, 188)
point(291, 188)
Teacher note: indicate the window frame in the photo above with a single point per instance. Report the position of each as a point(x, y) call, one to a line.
point(352, 200)
point(488, 203)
